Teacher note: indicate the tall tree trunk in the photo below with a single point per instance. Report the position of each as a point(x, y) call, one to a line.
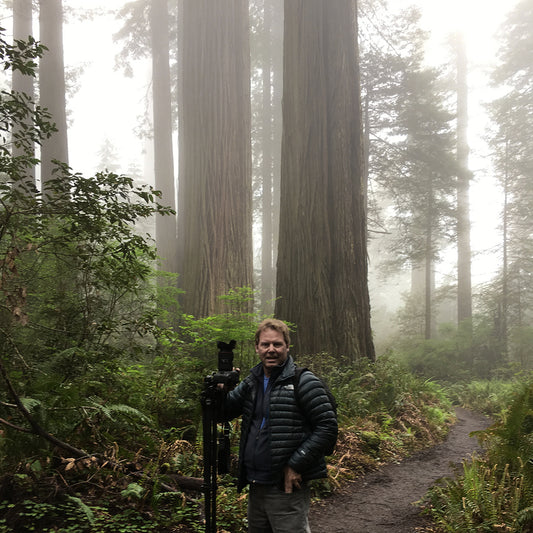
point(52, 85)
point(428, 282)
point(214, 207)
point(503, 324)
point(166, 230)
point(267, 168)
point(464, 253)
point(322, 262)
point(277, 125)
point(22, 83)
point(271, 65)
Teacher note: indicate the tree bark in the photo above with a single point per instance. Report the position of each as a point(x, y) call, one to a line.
point(166, 230)
point(52, 85)
point(22, 83)
point(322, 259)
point(214, 203)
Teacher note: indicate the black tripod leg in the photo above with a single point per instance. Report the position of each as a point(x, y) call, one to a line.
point(209, 447)
point(214, 476)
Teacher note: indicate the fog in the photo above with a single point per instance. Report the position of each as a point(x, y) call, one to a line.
point(107, 108)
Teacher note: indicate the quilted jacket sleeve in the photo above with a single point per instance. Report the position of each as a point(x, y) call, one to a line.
point(321, 417)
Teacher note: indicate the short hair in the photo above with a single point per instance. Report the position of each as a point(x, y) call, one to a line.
point(275, 324)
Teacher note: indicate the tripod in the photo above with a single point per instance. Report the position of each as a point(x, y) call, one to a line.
point(216, 446)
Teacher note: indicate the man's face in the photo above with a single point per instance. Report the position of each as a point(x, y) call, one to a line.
point(272, 349)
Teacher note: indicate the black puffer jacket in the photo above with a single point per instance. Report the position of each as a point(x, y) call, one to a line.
point(300, 430)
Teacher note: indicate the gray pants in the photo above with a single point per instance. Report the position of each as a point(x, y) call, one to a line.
point(271, 510)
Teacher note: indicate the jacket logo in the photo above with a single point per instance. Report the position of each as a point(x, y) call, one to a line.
point(290, 386)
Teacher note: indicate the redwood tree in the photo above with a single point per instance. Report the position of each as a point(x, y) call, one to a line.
point(22, 83)
point(166, 237)
point(52, 84)
point(322, 256)
point(464, 251)
point(214, 202)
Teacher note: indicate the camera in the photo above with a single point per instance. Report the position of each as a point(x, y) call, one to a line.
point(225, 374)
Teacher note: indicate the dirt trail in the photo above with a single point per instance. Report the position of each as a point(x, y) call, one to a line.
point(382, 501)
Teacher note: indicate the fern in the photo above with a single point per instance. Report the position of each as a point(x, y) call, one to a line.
point(525, 517)
point(31, 404)
point(122, 409)
point(85, 509)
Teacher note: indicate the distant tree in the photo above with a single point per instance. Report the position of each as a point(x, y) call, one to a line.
point(424, 193)
point(266, 55)
point(214, 205)
point(23, 82)
point(156, 41)
point(52, 85)
point(411, 157)
point(322, 261)
point(166, 230)
point(464, 250)
point(108, 157)
point(510, 140)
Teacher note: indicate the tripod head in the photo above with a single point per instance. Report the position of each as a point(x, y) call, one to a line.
point(225, 374)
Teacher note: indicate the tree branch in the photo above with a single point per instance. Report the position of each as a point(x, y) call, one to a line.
point(185, 482)
point(13, 426)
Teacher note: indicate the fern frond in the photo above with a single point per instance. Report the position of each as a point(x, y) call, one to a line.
point(85, 509)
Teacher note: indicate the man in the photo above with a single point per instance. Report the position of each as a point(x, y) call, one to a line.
point(283, 437)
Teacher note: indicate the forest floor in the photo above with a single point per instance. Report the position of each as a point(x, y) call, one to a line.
point(384, 501)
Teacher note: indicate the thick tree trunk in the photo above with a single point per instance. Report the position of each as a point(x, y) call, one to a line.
point(52, 85)
point(214, 208)
point(166, 230)
point(322, 261)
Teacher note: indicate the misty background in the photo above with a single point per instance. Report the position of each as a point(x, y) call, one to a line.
point(107, 119)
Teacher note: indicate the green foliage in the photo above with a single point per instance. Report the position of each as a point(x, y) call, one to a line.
point(512, 437)
point(199, 336)
point(494, 493)
point(231, 508)
point(485, 396)
point(484, 499)
point(366, 388)
point(457, 354)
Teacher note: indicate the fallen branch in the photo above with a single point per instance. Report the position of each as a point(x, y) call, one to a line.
point(184, 482)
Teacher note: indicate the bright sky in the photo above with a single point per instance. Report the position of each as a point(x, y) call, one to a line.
point(107, 105)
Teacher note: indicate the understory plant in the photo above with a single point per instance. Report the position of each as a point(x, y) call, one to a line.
point(493, 493)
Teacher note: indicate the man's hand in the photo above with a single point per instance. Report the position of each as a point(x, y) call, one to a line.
point(292, 479)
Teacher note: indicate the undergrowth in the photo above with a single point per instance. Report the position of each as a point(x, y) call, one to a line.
point(384, 414)
point(494, 492)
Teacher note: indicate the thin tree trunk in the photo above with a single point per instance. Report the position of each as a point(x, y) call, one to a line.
point(22, 83)
point(464, 253)
point(52, 85)
point(166, 230)
point(267, 266)
point(503, 335)
point(428, 331)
